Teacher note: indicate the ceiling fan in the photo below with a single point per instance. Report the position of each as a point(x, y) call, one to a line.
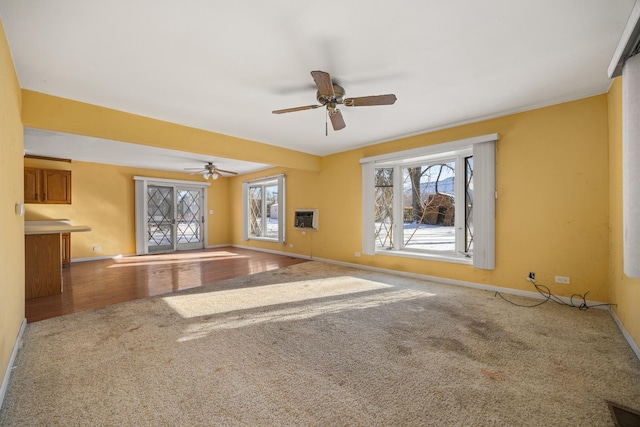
point(330, 95)
point(210, 171)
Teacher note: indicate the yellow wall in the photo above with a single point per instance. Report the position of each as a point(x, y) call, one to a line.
point(552, 212)
point(103, 198)
point(11, 192)
point(625, 291)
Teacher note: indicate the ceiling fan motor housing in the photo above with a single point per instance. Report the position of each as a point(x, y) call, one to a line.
point(336, 99)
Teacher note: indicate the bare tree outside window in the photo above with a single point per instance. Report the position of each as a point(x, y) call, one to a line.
point(262, 223)
point(429, 206)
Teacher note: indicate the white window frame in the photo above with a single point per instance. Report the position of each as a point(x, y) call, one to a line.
point(279, 180)
point(484, 165)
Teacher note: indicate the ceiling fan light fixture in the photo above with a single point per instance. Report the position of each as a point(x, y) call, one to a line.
point(211, 171)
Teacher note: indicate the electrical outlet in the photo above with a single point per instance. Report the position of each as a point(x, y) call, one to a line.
point(357, 254)
point(532, 276)
point(97, 248)
point(563, 279)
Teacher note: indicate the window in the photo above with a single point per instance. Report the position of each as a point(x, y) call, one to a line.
point(263, 209)
point(436, 212)
point(431, 202)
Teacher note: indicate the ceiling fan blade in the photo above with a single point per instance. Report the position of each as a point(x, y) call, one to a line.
point(365, 101)
point(291, 110)
point(337, 121)
point(324, 83)
point(224, 171)
point(197, 172)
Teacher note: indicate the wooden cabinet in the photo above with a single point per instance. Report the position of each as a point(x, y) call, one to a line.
point(66, 249)
point(31, 185)
point(43, 275)
point(51, 186)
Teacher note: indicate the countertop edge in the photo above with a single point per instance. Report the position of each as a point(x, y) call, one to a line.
point(55, 229)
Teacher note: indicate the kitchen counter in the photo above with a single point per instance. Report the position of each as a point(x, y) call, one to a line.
point(43, 255)
point(55, 226)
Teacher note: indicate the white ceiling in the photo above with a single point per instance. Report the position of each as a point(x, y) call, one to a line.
point(224, 66)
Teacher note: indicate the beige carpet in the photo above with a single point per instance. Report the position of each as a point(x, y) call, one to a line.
point(321, 345)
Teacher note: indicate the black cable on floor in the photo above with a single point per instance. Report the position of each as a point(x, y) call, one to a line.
point(546, 292)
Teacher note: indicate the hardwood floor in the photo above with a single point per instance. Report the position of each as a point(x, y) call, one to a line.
point(94, 284)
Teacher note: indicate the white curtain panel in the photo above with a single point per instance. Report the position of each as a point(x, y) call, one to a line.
point(631, 165)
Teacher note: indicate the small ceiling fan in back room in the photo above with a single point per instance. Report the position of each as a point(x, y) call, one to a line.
point(330, 95)
point(209, 171)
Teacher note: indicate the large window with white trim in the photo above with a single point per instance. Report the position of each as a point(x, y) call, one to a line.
point(264, 209)
point(424, 202)
point(433, 199)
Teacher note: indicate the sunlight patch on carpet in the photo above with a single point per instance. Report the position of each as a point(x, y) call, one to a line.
point(216, 302)
point(300, 312)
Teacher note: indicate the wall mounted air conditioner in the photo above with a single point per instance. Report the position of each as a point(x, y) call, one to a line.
point(306, 219)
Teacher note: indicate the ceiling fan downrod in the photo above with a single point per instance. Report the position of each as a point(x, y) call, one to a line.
point(326, 123)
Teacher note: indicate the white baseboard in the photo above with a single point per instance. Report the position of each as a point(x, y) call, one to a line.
point(99, 258)
point(480, 286)
point(626, 334)
point(280, 253)
point(218, 246)
point(508, 291)
point(14, 353)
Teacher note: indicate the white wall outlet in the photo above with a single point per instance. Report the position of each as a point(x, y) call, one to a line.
point(291, 245)
point(357, 254)
point(97, 248)
point(210, 211)
point(563, 279)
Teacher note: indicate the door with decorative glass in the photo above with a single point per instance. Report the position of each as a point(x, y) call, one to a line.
point(174, 218)
point(189, 219)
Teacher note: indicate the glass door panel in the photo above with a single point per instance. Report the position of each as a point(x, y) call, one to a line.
point(189, 219)
point(160, 218)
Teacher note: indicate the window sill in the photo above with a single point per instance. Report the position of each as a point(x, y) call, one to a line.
point(264, 239)
point(428, 256)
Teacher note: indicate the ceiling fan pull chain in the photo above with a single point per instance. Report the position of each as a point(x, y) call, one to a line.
point(326, 124)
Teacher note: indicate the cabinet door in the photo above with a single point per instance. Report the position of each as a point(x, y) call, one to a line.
point(31, 185)
point(56, 186)
point(43, 274)
point(66, 249)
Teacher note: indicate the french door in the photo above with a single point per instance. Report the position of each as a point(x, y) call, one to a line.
point(174, 218)
point(170, 215)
